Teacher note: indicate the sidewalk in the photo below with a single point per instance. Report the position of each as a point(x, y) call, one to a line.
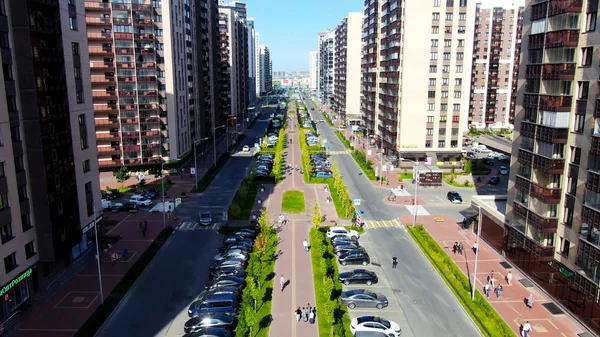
point(511, 306)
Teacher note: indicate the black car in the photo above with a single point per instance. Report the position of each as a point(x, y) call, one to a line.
point(454, 197)
point(237, 245)
point(111, 194)
point(228, 271)
point(341, 237)
point(210, 332)
point(236, 238)
point(128, 207)
point(494, 180)
point(356, 256)
point(226, 281)
point(246, 234)
point(233, 262)
point(212, 320)
point(343, 248)
point(151, 193)
point(361, 276)
point(488, 161)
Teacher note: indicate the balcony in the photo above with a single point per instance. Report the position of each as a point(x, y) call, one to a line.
point(527, 129)
point(125, 65)
point(142, 7)
point(590, 216)
point(149, 93)
point(148, 107)
point(127, 93)
point(108, 150)
point(556, 103)
point(545, 164)
point(130, 121)
point(547, 225)
point(550, 196)
point(96, 5)
point(106, 122)
point(562, 38)
point(131, 135)
point(109, 163)
point(128, 107)
point(557, 7)
point(97, 21)
point(100, 51)
point(560, 71)
point(595, 146)
point(124, 51)
point(99, 36)
point(552, 135)
point(144, 22)
point(105, 108)
point(122, 21)
point(145, 51)
point(144, 36)
point(104, 95)
point(100, 79)
point(597, 108)
point(148, 65)
point(110, 136)
point(146, 78)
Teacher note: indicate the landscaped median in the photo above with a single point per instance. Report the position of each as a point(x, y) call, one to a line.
point(360, 157)
point(211, 174)
point(255, 307)
point(293, 202)
point(101, 314)
point(480, 310)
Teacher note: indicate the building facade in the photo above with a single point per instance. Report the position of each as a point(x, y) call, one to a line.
point(313, 65)
point(347, 74)
point(553, 210)
point(251, 62)
point(326, 51)
point(49, 185)
point(416, 92)
point(496, 54)
point(266, 73)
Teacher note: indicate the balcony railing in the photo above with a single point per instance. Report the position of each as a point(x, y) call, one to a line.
point(590, 216)
point(99, 36)
point(592, 182)
point(549, 196)
point(106, 122)
point(527, 129)
point(597, 108)
point(109, 163)
point(103, 150)
point(560, 71)
point(548, 225)
point(558, 103)
point(547, 165)
point(102, 79)
point(110, 136)
point(104, 94)
point(557, 7)
point(552, 135)
point(595, 146)
point(96, 5)
point(105, 108)
point(100, 51)
point(90, 21)
point(563, 38)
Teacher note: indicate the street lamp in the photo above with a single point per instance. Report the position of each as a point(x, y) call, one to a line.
point(98, 257)
point(416, 179)
point(474, 284)
point(195, 164)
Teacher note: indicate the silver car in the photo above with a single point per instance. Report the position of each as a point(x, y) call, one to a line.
point(363, 298)
point(232, 253)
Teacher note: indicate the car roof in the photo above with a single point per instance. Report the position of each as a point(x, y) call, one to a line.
point(363, 319)
point(334, 228)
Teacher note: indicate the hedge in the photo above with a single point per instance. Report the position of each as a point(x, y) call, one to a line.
point(243, 200)
point(365, 164)
point(211, 174)
point(480, 310)
point(342, 138)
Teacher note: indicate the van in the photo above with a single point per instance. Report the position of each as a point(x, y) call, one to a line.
point(225, 303)
point(140, 200)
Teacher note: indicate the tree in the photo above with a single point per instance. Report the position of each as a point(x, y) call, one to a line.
point(253, 290)
point(316, 216)
point(264, 220)
point(122, 175)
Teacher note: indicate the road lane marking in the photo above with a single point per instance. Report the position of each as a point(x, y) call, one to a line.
point(120, 222)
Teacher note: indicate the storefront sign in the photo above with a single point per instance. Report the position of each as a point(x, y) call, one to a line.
point(566, 272)
point(90, 226)
point(16, 281)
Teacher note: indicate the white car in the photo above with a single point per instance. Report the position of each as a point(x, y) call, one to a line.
point(106, 204)
point(338, 230)
point(503, 170)
point(140, 200)
point(246, 148)
point(375, 324)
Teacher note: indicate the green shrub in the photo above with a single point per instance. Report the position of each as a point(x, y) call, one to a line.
point(467, 168)
point(343, 139)
point(365, 164)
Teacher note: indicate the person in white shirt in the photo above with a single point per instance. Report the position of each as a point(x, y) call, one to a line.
point(526, 329)
point(305, 245)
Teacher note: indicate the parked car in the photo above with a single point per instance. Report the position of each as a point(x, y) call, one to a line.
point(140, 200)
point(503, 170)
point(494, 180)
point(236, 262)
point(361, 276)
point(345, 247)
point(227, 271)
point(338, 230)
point(111, 194)
point(128, 207)
point(377, 324)
point(106, 204)
point(342, 239)
point(233, 253)
point(227, 281)
point(206, 218)
point(488, 161)
point(151, 193)
point(237, 245)
point(363, 298)
point(356, 256)
point(236, 238)
point(212, 320)
point(245, 234)
point(210, 332)
point(246, 148)
point(454, 197)
point(213, 303)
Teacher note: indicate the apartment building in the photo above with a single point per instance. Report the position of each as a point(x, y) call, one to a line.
point(347, 74)
point(416, 98)
point(143, 79)
point(257, 62)
point(49, 186)
point(266, 73)
point(234, 57)
point(496, 53)
point(252, 47)
point(326, 50)
point(313, 69)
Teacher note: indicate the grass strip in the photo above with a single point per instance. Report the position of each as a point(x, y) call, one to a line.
point(101, 314)
point(481, 311)
point(293, 202)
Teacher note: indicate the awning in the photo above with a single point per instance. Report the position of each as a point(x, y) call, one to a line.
point(413, 155)
point(448, 155)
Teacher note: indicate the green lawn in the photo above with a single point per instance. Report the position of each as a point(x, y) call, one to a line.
point(293, 202)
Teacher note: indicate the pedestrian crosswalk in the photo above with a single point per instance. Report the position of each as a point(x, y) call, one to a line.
point(382, 223)
point(339, 152)
point(195, 226)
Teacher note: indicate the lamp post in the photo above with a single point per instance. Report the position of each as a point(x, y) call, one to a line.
point(215, 143)
point(98, 258)
point(474, 284)
point(162, 182)
point(416, 179)
point(195, 163)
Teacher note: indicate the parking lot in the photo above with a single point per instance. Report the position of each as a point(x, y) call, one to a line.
point(393, 311)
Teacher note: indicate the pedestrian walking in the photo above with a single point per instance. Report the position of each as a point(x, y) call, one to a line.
point(282, 282)
point(306, 313)
point(141, 224)
point(303, 314)
point(461, 248)
point(487, 290)
point(509, 277)
point(551, 278)
point(144, 229)
point(305, 245)
point(394, 262)
point(125, 253)
point(113, 258)
point(311, 317)
point(530, 301)
point(455, 248)
point(499, 290)
point(475, 247)
point(298, 315)
point(526, 329)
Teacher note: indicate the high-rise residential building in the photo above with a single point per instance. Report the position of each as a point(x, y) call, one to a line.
point(142, 68)
point(496, 54)
point(347, 75)
point(257, 63)
point(202, 122)
point(49, 185)
point(313, 65)
point(234, 55)
point(252, 41)
point(416, 75)
point(326, 49)
point(266, 73)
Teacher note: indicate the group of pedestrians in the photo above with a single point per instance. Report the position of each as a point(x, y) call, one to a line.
point(458, 248)
point(306, 314)
point(491, 281)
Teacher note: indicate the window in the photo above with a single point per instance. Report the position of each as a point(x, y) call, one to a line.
point(2, 8)
point(565, 245)
point(572, 186)
point(429, 132)
point(79, 96)
point(75, 48)
point(158, 18)
point(444, 94)
point(72, 23)
point(461, 29)
point(427, 143)
point(568, 217)
point(442, 131)
point(441, 143)
point(454, 143)
point(575, 155)
point(86, 166)
point(11, 103)
point(579, 123)
point(4, 41)
point(457, 94)
point(460, 56)
point(83, 138)
point(2, 173)
point(444, 107)
point(436, 16)
point(22, 189)
point(462, 16)
point(458, 81)
point(461, 43)
point(7, 70)
point(6, 233)
point(449, 3)
point(449, 16)
point(19, 164)
point(77, 72)
point(432, 81)
point(455, 131)
point(446, 56)
point(584, 88)
point(436, 3)
point(433, 69)
point(15, 134)
point(590, 21)
point(435, 29)
point(455, 119)
point(587, 55)
point(431, 94)
point(430, 107)
point(434, 42)
point(3, 200)
point(10, 262)
point(445, 69)
point(430, 119)
point(26, 222)
point(156, 3)
point(459, 69)
point(463, 3)
point(89, 198)
point(443, 119)
point(433, 56)
point(29, 250)
point(456, 107)
point(445, 81)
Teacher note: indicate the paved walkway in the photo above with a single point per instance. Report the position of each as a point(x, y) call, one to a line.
point(511, 305)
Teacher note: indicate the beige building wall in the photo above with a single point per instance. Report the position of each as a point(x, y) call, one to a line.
point(353, 71)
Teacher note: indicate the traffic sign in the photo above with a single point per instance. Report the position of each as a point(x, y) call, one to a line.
point(358, 213)
point(356, 202)
point(192, 170)
point(177, 202)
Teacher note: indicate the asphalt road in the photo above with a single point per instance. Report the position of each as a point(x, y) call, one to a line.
point(427, 307)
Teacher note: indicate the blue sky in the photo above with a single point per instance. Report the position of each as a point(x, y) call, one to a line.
point(289, 27)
